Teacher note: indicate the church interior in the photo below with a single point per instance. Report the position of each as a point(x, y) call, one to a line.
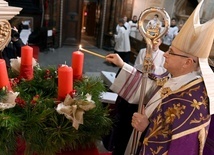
point(54, 28)
point(95, 20)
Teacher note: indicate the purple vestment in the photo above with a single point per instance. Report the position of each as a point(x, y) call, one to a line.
point(178, 125)
point(209, 145)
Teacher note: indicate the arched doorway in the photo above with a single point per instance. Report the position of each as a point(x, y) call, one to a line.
point(90, 23)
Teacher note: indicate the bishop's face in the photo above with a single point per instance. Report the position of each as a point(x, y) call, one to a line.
point(174, 61)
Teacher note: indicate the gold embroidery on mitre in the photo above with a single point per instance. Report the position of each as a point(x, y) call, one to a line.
point(5, 33)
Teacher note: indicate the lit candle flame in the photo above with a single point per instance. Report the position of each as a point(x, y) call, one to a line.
point(80, 47)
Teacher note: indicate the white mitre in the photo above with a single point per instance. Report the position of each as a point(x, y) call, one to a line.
point(6, 13)
point(197, 39)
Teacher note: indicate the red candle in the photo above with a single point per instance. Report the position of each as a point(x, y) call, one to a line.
point(65, 81)
point(77, 64)
point(26, 55)
point(4, 80)
point(26, 68)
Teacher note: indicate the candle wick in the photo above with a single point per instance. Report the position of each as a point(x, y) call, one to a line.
point(65, 62)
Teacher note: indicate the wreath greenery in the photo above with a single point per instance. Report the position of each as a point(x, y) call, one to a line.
point(35, 120)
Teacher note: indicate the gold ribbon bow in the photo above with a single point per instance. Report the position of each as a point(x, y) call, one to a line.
point(73, 109)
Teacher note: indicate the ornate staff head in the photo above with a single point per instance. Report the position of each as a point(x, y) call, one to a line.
point(152, 31)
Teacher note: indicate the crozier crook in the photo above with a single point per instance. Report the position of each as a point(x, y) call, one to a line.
point(151, 34)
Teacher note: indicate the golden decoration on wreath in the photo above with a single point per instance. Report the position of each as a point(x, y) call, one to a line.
point(6, 13)
point(5, 33)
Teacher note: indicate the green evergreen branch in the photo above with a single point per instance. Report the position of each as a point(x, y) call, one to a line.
point(36, 121)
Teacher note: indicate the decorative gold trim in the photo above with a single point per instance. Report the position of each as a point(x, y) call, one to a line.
point(5, 33)
point(176, 136)
point(188, 85)
point(184, 87)
point(202, 139)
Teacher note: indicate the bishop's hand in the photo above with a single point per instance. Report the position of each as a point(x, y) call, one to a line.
point(115, 59)
point(140, 121)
